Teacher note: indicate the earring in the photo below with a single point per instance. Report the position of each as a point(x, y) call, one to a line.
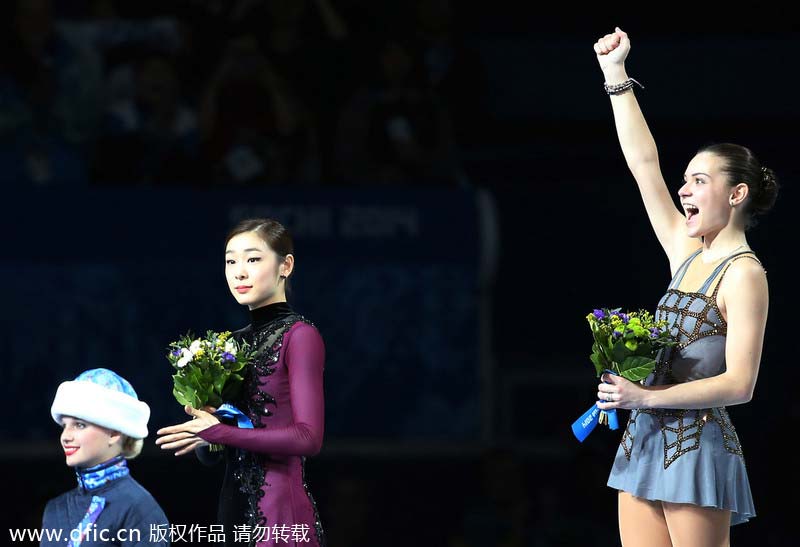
point(732, 204)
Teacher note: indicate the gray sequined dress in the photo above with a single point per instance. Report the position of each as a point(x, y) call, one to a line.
point(687, 456)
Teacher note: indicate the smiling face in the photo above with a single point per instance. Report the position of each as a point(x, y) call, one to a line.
point(705, 196)
point(254, 271)
point(86, 444)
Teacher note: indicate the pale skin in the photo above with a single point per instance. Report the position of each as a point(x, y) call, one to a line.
point(713, 220)
point(86, 444)
point(256, 277)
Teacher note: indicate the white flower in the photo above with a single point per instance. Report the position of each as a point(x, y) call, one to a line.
point(230, 347)
point(196, 345)
point(186, 357)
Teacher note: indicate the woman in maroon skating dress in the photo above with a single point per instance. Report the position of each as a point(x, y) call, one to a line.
point(265, 500)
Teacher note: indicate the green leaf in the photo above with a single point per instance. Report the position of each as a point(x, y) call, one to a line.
point(213, 400)
point(620, 352)
point(239, 364)
point(233, 388)
point(601, 351)
point(192, 374)
point(219, 382)
point(180, 397)
point(637, 368)
point(179, 383)
point(185, 395)
point(598, 363)
point(645, 349)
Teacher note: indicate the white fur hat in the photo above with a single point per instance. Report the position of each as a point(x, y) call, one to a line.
point(102, 397)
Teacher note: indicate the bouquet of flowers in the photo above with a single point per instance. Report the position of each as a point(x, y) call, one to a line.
point(208, 370)
point(625, 344)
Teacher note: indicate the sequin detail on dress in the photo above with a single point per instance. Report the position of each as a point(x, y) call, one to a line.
point(251, 469)
point(690, 456)
point(317, 522)
point(687, 323)
point(691, 316)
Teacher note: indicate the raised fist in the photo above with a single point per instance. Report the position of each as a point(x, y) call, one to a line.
point(612, 49)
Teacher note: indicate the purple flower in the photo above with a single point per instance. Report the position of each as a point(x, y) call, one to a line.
point(599, 314)
point(617, 334)
point(622, 316)
point(176, 353)
point(227, 356)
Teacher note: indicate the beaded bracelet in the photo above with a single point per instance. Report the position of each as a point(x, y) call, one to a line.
point(616, 89)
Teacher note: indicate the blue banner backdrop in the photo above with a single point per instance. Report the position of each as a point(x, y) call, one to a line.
point(109, 277)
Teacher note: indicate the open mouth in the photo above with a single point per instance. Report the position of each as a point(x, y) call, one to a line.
point(691, 211)
point(70, 450)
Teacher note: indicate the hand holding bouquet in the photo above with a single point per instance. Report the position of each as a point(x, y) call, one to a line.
point(625, 344)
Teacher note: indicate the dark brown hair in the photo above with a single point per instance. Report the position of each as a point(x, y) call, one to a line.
point(272, 232)
point(741, 165)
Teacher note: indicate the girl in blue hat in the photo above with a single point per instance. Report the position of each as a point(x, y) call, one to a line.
point(104, 424)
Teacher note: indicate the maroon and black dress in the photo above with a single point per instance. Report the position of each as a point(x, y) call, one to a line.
point(265, 496)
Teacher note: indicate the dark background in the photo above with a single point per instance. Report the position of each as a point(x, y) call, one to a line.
point(449, 277)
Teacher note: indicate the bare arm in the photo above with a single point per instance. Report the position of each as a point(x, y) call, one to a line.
point(744, 294)
point(641, 154)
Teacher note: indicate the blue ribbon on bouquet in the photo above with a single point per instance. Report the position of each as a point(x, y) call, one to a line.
point(589, 419)
point(226, 410)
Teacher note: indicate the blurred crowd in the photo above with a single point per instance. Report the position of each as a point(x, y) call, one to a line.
point(237, 93)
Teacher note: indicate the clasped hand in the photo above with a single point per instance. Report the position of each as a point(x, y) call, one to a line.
point(183, 437)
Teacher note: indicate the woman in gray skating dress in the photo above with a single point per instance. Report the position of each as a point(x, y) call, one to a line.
point(680, 469)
